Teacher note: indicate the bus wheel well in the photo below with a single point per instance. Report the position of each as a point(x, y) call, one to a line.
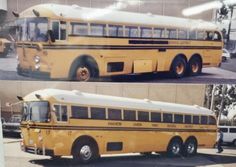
point(191, 138)
point(87, 139)
point(84, 60)
point(196, 56)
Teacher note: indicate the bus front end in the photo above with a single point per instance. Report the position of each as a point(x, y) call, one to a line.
point(35, 128)
point(32, 35)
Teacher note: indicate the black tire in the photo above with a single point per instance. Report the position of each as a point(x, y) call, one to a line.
point(55, 157)
point(85, 152)
point(194, 66)
point(190, 147)
point(83, 72)
point(178, 67)
point(174, 148)
point(234, 143)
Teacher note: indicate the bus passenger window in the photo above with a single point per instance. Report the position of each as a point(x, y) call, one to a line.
point(200, 35)
point(61, 113)
point(209, 35)
point(167, 118)
point(204, 120)
point(115, 31)
point(182, 34)
point(192, 34)
point(131, 31)
point(114, 114)
point(62, 30)
point(217, 36)
point(146, 32)
point(143, 116)
point(55, 29)
point(178, 118)
point(79, 112)
point(79, 29)
point(212, 120)
point(155, 117)
point(187, 119)
point(129, 115)
point(159, 33)
point(98, 29)
point(195, 119)
point(171, 33)
point(98, 113)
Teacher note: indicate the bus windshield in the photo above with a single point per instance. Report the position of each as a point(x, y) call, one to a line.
point(32, 29)
point(35, 111)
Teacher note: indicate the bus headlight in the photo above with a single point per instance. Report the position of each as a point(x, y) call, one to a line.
point(37, 66)
point(36, 59)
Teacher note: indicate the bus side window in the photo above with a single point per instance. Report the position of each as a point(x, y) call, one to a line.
point(115, 31)
point(143, 116)
point(182, 34)
point(167, 118)
point(212, 120)
point(187, 119)
point(178, 118)
point(217, 36)
point(131, 31)
point(200, 35)
point(224, 130)
point(171, 33)
point(79, 29)
point(204, 120)
point(79, 112)
point(61, 113)
point(129, 115)
point(155, 117)
point(146, 32)
point(209, 35)
point(192, 34)
point(114, 114)
point(63, 30)
point(98, 113)
point(195, 119)
point(159, 33)
point(232, 130)
point(55, 29)
point(98, 29)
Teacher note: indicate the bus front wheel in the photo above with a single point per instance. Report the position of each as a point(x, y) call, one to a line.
point(178, 67)
point(195, 66)
point(85, 152)
point(174, 148)
point(190, 147)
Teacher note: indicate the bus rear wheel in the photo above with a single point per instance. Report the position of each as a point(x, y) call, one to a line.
point(195, 66)
point(83, 73)
point(178, 67)
point(190, 147)
point(174, 148)
point(85, 152)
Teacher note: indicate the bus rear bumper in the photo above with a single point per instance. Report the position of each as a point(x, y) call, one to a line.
point(33, 74)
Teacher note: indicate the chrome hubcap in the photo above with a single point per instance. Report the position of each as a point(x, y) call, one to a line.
point(82, 74)
point(85, 152)
point(176, 148)
point(195, 68)
point(190, 148)
point(180, 68)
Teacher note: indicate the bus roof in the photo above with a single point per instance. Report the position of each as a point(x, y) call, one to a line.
point(79, 98)
point(75, 12)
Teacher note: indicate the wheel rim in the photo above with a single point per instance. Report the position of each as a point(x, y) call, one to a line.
point(180, 68)
point(85, 152)
point(175, 148)
point(82, 74)
point(190, 148)
point(195, 67)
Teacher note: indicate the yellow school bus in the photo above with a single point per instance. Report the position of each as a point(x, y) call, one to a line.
point(85, 126)
point(77, 43)
point(4, 47)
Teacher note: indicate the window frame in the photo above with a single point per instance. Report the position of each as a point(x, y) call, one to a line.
point(67, 107)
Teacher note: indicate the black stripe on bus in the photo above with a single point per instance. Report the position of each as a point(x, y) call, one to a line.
point(115, 128)
point(118, 47)
point(148, 42)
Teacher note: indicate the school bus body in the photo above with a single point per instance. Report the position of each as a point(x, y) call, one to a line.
point(4, 47)
point(59, 138)
point(113, 55)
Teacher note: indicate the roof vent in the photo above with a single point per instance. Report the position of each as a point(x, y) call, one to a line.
point(77, 92)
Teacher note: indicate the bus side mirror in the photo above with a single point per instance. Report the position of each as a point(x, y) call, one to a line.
point(51, 36)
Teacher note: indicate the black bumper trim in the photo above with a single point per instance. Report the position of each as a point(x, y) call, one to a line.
point(33, 74)
point(39, 151)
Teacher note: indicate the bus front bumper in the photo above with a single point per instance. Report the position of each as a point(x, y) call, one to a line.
point(33, 74)
point(37, 151)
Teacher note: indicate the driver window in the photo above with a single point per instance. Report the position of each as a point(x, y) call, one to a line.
point(61, 113)
point(55, 29)
point(59, 30)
